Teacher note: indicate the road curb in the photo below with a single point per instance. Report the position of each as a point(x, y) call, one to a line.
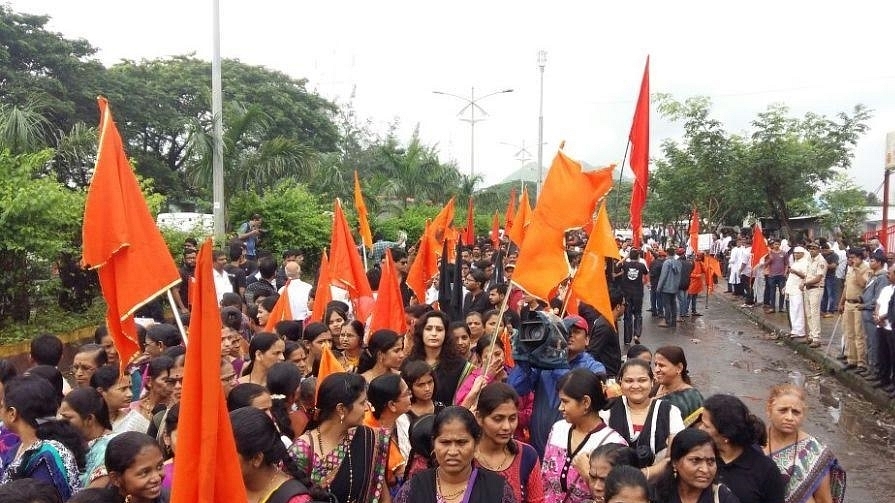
point(853, 381)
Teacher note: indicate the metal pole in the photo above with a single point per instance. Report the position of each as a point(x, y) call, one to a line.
point(884, 233)
point(472, 133)
point(217, 112)
point(542, 61)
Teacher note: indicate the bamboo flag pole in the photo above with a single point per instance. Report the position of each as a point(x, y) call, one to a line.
point(497, 329)
point(177, 317)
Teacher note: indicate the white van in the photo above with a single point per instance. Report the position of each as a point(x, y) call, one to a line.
point(186, 222)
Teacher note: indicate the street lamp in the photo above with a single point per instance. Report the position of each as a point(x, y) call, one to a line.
point(472, 103)
point(542, 62)
point(522, 155)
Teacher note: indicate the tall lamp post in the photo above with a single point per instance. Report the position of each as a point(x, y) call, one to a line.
point(217, 114)
point(542, 62)
point(472, 103)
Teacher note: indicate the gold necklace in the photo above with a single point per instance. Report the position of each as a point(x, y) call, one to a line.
point(500, 467)
point(452, 495)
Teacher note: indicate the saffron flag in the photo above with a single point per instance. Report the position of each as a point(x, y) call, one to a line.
point(589, 283)
point(469, 232)
point(424, 266)
point(713, 270)
point(567, 201)
point(345, 267)
point(442, 227)
point(329, 365)
point(495, 231)
point(282, 310)
point(204, 433)
point(639, 138)
point(507, 347)
point(323, 294)
point(511, 211)
point(388, 312)
point(522, 219)
point(121, 239)
point(694, 231)
point(362, 217)
point(759, 246)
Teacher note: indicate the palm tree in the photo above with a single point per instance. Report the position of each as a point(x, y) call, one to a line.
point(23, 129)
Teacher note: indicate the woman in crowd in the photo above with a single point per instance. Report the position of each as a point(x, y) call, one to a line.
point(738, 435)
point(233, 344)
point(169, 444)
point(351, 342)
point(489, 322)
point(384, 354)
point(264, 309)
point(579, 432)
point(158, 390)
point(86, 410)
point(283, 380)
point(341, 455)
point(302, 414)
point(497, 411)
point(673, 381)
point(626, 484)
point(463, 338)
point(456, 435)
point(486, 354)
point(265, 349)
point(249, 395)
point(316, 336)
point(476, 326)
point(421, 456)
point(49, 449)
point(389, 399)
point(419, 378)
point(229, 377)
point(296, 354)
point(335, 318)
point(810, 470)
point(135, 465)
point(116, 391)
point(640, 352)
point(435, 346)
point(261, 453)
point(690, 475)
point(645, 423)
point(600, 462)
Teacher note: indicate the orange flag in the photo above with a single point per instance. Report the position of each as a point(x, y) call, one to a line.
point(441, 228)
point(388, 312)
point(345, 267)
point(568, 199)
point(590, 283)
point(713, 269)
point(759, 246)
point(424, 266)
point(507, 348)
point(205, 436)
point(639, 138)
point(469, 232)
point(122, 241)
point(362, 220)
point(521, 220)
point(282, 310)
point(495, 231)
point(511, 211)
point(329, 364)
point(694, 230)
point(323, 295)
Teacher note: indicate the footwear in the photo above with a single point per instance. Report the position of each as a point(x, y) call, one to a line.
point(662, 324)
point(636, 340)
point(827, 315)
point(862, 370)
point(696, 314)
point(684, 315)
point(814, 344)
point(871, 378)
point(842, 358)
point(849, 366)
point(795, 336)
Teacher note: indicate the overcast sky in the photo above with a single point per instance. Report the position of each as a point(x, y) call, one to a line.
point(818, 56)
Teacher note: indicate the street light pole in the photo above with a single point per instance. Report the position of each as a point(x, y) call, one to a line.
point(542, 62)
point(472, 103)
point(217, 117)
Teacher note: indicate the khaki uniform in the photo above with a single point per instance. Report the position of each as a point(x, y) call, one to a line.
point(853, 329)
point(814, 289)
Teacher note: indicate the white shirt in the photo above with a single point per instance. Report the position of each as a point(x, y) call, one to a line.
point(222, 283)
point(882, 304)
point(299, 291)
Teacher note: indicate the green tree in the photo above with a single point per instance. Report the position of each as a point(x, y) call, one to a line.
point(844, 207)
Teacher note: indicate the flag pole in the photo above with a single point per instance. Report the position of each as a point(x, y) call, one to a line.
point(500, 324)
point(177, 318)
point(363, 248)
point(621, 170)
point(565, 301)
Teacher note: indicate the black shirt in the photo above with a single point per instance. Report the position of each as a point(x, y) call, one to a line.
point(753, 477)
point(631, 280)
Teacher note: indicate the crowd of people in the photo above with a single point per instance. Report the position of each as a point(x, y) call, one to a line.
point(467, 410)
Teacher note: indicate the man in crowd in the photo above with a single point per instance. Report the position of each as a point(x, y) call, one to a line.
point(299, 291)
point(856, 278)
point(669, 283)
point(814, 287)
point(775, 278)
point(869, 296)
point(250, 234)
point(222, 283)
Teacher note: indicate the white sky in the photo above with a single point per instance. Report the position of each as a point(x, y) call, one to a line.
point(818, 56)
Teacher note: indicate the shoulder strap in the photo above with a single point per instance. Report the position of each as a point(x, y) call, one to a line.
point(715, 491)
point(286, 491)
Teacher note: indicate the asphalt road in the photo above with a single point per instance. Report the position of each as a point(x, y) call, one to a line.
point(727, 353)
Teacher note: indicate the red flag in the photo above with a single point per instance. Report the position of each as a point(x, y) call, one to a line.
point(639, 138)
point(511, 211)
point(329, 365)
point(694, 230)
point(590, 283)
point(495, 231)
point(323, 294)
point(205, 436)
point(759, 246)
point(121, 240)
point(568, 199)
point(388, 312)
point(424, 266)
point(521, 220)
point(362, 220)
point(469, 234)
point(345, 267)
point(282, 310)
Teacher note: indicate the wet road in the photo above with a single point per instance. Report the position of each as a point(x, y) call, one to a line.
point(727, 353)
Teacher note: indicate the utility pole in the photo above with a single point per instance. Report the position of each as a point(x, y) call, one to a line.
point(472, 103)
point(217, 113)
point(542, 62)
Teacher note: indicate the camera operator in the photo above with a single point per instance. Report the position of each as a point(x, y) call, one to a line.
point(250, 233)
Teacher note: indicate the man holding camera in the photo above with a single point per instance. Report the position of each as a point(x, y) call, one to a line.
point(250, 234)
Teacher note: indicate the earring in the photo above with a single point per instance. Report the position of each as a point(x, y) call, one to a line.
point(341, 419)
point(674, 473)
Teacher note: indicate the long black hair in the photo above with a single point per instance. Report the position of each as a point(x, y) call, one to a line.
point(339, 388)
point(283, 380)
point(383, 389)
point(491, 397)
point(450, 356)
point(262, 341)
point(732, 419)
point(242, 395)
point(381, 341)
point(88, 402)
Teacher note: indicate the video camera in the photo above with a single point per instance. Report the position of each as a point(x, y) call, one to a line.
point(542, 341)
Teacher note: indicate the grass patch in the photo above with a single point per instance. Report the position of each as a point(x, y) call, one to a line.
point(52, 319)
